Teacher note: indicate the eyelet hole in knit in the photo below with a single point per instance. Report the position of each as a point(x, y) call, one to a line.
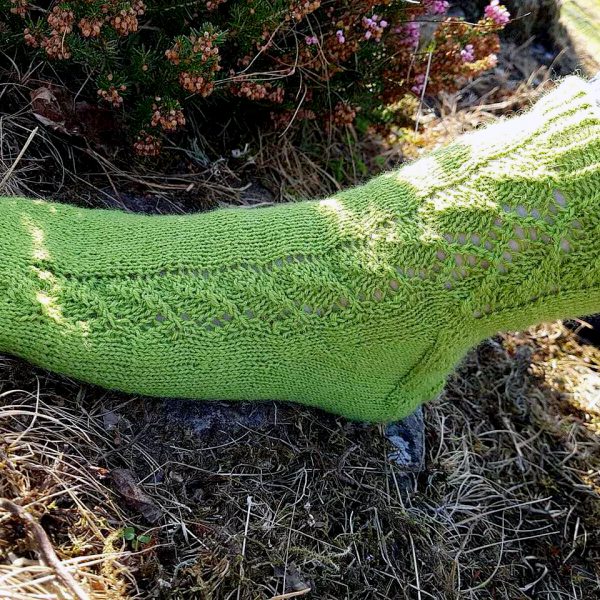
point(560, 199)
point(565, 245)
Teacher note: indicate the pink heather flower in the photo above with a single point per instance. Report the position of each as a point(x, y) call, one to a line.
point(497, 13)
point(311, 40)
point(419, 83)
point(340, 36)
point(410, 32)
point(468, 53)
point(435, 7)
point(374, 26)
point(492, 61)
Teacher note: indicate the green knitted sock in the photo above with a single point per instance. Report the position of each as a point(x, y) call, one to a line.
point(360, 304)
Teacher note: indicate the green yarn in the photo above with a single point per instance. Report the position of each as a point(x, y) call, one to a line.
point(360, 304)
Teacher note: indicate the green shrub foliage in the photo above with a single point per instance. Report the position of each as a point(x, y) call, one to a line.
point(283, 61)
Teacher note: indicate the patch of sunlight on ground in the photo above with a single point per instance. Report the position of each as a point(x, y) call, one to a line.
point(582, 21)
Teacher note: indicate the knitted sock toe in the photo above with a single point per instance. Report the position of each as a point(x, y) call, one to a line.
point(360, 304)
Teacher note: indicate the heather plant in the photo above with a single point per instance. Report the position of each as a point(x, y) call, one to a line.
point(284, 62)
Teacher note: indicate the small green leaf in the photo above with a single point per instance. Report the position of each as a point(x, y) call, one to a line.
point(128, 533)
point(143, 539)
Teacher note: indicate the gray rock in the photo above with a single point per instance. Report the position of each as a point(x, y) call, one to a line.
point(407, 438)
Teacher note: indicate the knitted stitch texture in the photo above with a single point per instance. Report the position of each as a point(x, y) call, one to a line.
point(361, 303)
